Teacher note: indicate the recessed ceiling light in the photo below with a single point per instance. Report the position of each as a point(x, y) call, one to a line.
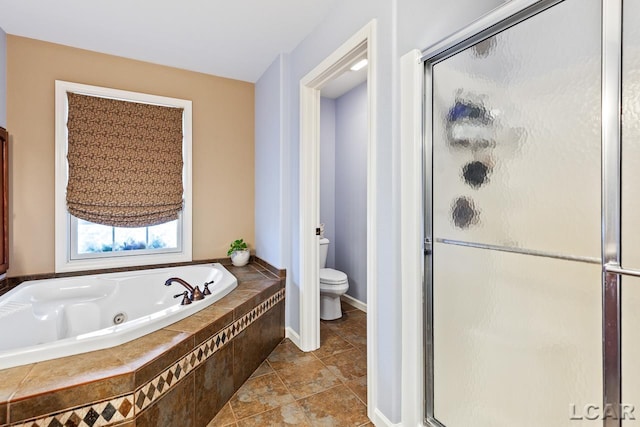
point(359, 65)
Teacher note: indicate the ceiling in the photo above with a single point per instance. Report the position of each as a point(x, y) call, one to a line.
point(237, 39)
point(343, 83)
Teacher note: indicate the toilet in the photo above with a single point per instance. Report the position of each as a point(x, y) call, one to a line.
point(333, 284)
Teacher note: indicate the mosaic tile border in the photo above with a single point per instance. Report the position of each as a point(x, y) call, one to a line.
point(94, 415)
point(127, 407)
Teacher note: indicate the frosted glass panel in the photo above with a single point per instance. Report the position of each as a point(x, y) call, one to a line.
point(631, 208)
point(516, 338)
point(516, 136)
point(631, 136)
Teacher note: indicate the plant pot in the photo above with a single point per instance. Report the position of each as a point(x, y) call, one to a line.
point(240, 258)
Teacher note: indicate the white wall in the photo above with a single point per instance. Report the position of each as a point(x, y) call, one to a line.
point(3, 79)
point(343, 185)
point(268, 139)
point(422, 23)
point(328, 174)
point(351, 189)
point(401, 25)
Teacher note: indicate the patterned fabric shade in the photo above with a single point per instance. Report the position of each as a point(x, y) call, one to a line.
point(125, 161)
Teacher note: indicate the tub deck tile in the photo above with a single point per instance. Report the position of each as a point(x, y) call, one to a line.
point(237, 299)
point(249, 272)
point(254, 301)
point(11, 380)
point(151, 354)
point(70, 381)
point(205, 323)
point(261, 265)
point(260, 285)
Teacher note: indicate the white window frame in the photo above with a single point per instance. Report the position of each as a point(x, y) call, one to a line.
point(64, 220)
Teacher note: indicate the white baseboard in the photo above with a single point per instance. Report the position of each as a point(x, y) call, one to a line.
point(354, 302)
point(292, 335)
point(379, 420)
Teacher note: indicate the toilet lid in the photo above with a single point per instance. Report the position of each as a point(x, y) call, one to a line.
point(330, 276)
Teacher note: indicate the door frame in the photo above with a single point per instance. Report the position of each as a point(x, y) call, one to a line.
point(336, 63)
point(411, 232)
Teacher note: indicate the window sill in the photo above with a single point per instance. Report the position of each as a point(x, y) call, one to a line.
point(122, 261)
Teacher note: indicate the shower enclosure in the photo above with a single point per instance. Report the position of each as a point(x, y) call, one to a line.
point(532, 208)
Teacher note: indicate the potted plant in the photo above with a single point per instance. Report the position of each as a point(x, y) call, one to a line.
point(239, 253)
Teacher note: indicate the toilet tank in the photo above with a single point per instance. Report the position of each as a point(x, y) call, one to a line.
point(324, 248)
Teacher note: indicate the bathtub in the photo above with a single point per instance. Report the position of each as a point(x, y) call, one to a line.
point(47, 319)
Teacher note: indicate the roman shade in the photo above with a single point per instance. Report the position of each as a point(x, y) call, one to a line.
point(124, 160)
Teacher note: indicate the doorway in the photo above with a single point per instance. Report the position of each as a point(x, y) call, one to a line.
point(362, 44)
point(529, 208)
point(343, 183)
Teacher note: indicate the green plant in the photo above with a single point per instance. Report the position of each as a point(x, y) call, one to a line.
point(237, 245)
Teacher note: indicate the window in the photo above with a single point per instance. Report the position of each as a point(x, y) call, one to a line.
point(93, 240)
point(81, 244)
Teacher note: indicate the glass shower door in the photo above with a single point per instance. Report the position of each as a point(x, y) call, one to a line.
point(516, 208)
point(630, 226)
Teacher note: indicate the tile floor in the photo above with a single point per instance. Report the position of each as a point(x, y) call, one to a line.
point(326, 387)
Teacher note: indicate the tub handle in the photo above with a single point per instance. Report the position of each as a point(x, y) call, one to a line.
point(185, 298)
point(206, 290)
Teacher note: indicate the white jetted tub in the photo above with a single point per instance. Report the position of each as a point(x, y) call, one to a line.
point(47, 319)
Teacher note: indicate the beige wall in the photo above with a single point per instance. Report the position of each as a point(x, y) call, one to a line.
point(223, 144)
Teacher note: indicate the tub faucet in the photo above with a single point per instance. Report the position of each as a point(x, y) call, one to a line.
point(185, 298)
point(196, 294)
point(206, 290)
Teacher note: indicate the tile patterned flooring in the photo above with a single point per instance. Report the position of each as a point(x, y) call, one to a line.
point(326, 387)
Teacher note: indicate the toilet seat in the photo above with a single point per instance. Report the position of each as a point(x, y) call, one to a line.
point(329, 276)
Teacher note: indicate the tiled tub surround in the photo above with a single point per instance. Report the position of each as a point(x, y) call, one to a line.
point(180, 375)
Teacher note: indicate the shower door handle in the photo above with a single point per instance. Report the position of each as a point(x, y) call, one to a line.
point(428, 250)
point(617, 269)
